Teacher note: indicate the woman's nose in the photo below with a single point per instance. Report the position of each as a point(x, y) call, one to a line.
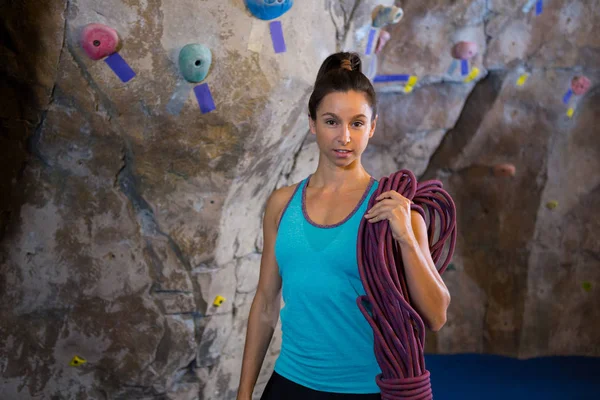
point(345, 136)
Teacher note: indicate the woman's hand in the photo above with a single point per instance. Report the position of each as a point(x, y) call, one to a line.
point(396, 209)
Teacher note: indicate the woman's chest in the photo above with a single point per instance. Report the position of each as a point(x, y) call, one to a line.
point(330, 210)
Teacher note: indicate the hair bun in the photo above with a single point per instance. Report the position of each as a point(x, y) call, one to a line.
point(333, 77)
point(337, 61)
point(356, 63)
point(350, 61)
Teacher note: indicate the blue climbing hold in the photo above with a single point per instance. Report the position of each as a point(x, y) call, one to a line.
point(194, 62)
point(383, 16)
point(269, 9)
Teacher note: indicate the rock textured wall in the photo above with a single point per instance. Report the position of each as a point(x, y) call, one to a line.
point(121, 222)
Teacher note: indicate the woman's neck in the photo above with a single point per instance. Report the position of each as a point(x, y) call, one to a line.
point(340, 180)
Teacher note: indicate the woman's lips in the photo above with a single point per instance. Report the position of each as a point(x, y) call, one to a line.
point(342, 154)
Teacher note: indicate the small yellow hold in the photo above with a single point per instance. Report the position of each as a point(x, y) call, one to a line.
point(218, 301)
point(570, 112)
point(552, 204)
point(522, 79)
point(587, 286)
point(410, 85)
point(472, 75)
point(77, 361)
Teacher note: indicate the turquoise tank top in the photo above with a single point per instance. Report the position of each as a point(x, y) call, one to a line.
point(327, 344)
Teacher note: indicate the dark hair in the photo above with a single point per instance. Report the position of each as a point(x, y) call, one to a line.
point(341, 72)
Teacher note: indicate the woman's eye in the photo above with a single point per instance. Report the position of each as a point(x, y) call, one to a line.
point(358, 124)
point(330, 122)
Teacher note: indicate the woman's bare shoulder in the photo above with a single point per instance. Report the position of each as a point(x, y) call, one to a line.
point(279, 199)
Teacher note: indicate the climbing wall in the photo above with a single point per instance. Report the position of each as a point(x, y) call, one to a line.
point(141, 139)
point(130, 253)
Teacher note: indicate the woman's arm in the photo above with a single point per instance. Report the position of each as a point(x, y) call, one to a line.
point(264, 312)
point(428, 292)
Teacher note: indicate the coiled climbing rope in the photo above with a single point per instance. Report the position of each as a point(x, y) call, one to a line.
point(398, 329)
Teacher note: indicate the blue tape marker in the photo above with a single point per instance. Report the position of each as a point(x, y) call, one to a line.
point(178, 98)
point(452, 67)
point(277, 37)
point(464, 67)
point(539, 7)
point(391, 78)
point(120, 67)
point(205, 100)
point(372, 71)
point(372, 33)
point(567, 96)
point(527, 7)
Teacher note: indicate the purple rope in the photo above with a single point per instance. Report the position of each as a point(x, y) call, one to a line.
point(398, 329)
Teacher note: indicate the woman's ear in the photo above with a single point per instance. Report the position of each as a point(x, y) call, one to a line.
point(313, 125)
point(373, 125)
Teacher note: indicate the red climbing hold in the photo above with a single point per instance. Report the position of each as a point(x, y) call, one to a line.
point(580, 85)
point(464, 50)
point(99, 41)
point(384, 36)
point(504, 170)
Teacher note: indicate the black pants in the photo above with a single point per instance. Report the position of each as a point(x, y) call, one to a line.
point(280, 388)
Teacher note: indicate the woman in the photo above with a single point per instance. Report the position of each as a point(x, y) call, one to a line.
point(309, 256)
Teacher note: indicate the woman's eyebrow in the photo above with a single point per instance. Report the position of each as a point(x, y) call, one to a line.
point(335, 116)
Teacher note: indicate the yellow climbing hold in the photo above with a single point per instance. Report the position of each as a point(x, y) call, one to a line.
point(522, 79)
point(570, 112)
point(77, 361)
point(412, 81)
point(552, 204)
point(587, 286)
point(472, 75)
point(218, 301)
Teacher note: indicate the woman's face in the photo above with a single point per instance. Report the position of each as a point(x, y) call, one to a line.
point(343, 122)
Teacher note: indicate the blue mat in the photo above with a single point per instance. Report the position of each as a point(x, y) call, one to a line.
point(487, 377)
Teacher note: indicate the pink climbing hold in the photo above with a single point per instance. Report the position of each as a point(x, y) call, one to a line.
point(501, 170)
point(464, 50)
point(384, 36)
point(580, 85)
point(99, 41)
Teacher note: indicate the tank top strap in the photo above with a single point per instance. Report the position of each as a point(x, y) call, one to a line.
point(293, 208)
